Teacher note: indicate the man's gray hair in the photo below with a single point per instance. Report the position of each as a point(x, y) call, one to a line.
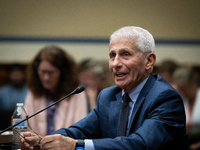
point(144, 40)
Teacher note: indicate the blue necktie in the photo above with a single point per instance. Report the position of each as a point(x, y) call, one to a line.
point(123, 117)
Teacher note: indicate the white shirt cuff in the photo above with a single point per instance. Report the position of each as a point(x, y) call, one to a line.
point(89, 145)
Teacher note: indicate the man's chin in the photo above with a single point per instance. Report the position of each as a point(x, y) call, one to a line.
point(122, 86)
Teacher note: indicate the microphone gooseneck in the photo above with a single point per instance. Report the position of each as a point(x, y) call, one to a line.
point(76, 91)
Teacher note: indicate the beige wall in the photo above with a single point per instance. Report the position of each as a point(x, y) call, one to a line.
point(24, 52)
point(165, 19)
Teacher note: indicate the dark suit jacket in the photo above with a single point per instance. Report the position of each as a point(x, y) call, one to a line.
point(157, 122)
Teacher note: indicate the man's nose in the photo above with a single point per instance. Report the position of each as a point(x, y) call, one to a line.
point(117, 62)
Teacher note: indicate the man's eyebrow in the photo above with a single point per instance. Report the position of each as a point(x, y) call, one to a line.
point(111, 51)
point(124, 50)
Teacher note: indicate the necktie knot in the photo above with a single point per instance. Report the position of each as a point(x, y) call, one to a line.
point(126, 98)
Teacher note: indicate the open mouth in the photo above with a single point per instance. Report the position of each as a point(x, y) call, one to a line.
point(120, 74)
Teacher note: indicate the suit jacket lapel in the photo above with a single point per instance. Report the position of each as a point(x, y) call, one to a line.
point(145, 90)
point(115, 107)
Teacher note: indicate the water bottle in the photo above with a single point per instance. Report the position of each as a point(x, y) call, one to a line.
point(18, 115)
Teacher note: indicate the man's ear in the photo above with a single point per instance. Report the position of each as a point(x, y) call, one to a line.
point(151, 59)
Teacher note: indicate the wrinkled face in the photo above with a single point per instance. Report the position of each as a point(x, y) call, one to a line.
point(49, 75)
point(127, 64)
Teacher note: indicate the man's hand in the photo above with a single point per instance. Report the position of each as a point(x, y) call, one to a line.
point(57, 142)
point(29, 141)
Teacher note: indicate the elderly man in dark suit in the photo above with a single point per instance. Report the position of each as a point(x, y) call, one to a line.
point(142, 112)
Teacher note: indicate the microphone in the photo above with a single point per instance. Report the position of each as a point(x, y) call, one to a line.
point(76, 91)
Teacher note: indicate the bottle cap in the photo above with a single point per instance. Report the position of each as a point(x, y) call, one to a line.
point(20, 104)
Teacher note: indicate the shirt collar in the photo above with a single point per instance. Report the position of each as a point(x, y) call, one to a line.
point(133, 94)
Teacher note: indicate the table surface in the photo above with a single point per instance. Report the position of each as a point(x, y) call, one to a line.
point(5, 141)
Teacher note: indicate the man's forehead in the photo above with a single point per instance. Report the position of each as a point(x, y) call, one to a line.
point(122, 45)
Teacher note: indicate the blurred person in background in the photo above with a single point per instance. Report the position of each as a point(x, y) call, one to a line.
point(166, 70)
point(52, 75)
point(93, 75)
point(186, 81)
point(15, 91)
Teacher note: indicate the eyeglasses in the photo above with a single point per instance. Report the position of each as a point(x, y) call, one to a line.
point(34, 142)
point(50, 73)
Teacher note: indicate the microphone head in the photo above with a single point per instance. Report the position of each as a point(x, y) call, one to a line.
point(79, 89)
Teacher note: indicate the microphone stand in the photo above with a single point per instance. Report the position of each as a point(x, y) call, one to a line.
point(76, 91)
